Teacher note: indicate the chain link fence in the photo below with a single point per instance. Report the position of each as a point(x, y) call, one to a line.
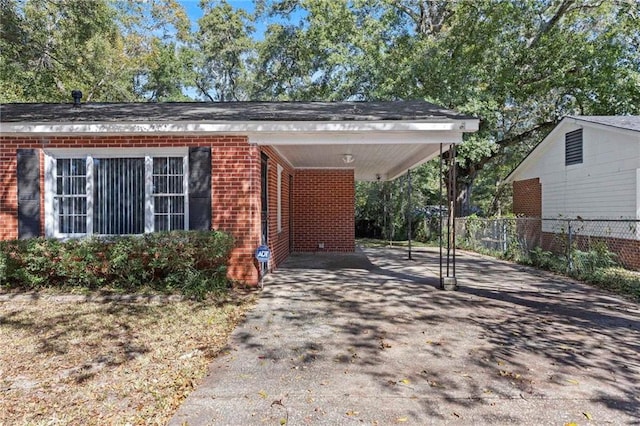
point(577, 242)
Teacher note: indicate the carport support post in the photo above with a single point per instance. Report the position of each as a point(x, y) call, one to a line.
point(450, 282)
point(440, 212)
point(409, 215)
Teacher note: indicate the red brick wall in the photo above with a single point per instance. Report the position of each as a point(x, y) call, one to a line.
point(8, 191)
point(527, 198)
point(627, 251)
point(527, 201)
point(278, 241)
point(235, 196)
point(235, 185)
point(324, 210)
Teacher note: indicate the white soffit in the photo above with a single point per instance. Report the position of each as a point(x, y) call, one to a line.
point(384, 154)
point(357, 138)
point(387, 161)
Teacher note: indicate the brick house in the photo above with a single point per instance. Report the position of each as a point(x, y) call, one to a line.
point(588, 167)
point(279, 173)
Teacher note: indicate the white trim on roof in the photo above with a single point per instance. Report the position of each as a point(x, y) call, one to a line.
point(241, 127)
point(599, 125)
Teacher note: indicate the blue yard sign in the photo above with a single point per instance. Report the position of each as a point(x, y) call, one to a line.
point(263, 254)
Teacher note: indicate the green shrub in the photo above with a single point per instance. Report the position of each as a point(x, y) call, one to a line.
point(587, 263)
point(546, 260)
point(191, 262)
point(596, 266)
point(4, 267)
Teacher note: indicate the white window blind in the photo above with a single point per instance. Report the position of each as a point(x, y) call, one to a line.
point(118, 196)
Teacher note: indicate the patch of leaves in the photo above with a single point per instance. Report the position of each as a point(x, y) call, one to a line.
point(107, 362)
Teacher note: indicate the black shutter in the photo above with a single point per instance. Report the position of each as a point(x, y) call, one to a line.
point(200, 188)
point(28, 171)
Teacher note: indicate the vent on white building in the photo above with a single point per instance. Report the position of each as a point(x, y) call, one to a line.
point(573, 147)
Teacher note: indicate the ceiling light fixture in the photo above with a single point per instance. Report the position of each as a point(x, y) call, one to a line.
point(347, 158)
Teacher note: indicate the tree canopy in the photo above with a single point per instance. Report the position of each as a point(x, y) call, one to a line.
point(518, 65)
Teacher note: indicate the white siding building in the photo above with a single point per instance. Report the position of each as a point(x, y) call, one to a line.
point(588, 167)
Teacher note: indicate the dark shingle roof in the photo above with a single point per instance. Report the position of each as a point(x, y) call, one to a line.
point(227, 111)
point(630, 122)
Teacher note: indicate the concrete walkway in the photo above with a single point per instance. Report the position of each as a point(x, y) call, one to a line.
point(355, 339)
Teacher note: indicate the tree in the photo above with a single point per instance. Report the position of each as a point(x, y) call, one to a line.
point(521, 66)
point(518, 65)
point(50, 48)
point(223, 46)
point(111, 50)
point(167, 72)
point(333, 51)
point(157, 35)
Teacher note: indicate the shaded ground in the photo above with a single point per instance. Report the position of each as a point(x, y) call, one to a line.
point(78, 360)
point(341, 339)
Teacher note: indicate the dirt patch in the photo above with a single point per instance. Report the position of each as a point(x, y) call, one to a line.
point(108, 361)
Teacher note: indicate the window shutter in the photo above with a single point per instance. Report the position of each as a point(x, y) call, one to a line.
point(200, 188)
point(28, 171)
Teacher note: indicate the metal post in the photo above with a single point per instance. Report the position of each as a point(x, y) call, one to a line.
point(390, 212)
point(449, 215)
point(504, 235)
point(440, 213)
point(409, 215)
point(454, 197)
point(569, 244)
point(384, 210)
point(450, 282)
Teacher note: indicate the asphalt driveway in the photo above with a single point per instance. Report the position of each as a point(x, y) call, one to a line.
point(367, 338)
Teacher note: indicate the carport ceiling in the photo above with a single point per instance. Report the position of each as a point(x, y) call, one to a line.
point(386, 161)
point(383, 149)
point(383, 139)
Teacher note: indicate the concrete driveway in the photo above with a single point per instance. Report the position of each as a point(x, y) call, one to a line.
point(367, 338)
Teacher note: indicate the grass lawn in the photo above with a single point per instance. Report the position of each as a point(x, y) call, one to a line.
point(65, 360)
point(373, 243)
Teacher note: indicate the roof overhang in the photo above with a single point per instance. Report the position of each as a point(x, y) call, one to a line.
point(376, 140)
point(237, 127)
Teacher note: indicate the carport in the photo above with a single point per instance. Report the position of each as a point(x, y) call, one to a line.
point(317, 152)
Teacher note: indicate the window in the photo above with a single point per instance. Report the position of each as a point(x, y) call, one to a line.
point(71, 195)
point(573, 147)
point(118, 196)
point(168, 193)
point(107, 195)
